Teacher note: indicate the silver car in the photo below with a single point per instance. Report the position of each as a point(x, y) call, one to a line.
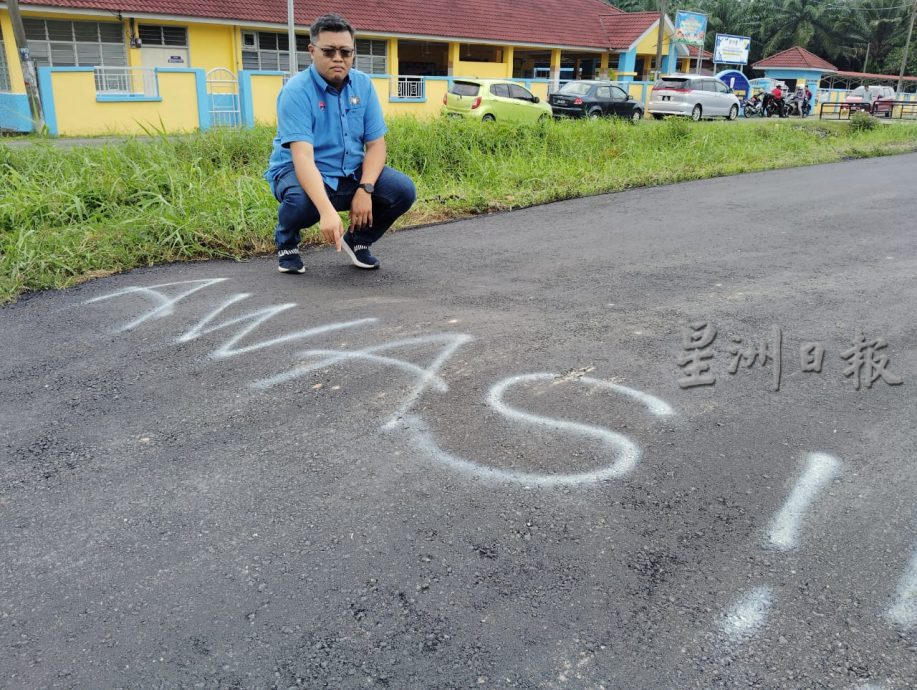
point(694, 96)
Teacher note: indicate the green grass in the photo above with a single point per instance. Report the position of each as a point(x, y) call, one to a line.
point(67, 215)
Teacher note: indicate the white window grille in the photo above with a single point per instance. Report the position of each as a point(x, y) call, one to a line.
point(154, 35)
point(4, 68)
point(372, 56)
point(267, 50)
point(60, 43)
point(126, 81)
point(411, 88)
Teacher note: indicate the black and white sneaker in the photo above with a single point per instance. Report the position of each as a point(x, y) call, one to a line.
point(289, 261)
point(359, 253)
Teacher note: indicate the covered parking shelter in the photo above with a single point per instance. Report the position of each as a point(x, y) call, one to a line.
point(836, 87)
point(849, 80)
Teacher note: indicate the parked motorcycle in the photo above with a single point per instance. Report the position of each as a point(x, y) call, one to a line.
point(803, 110)
point(793, 108)
point(777, 107)
point(753, 107)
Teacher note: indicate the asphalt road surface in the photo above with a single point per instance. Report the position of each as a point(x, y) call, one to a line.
point(544, 449)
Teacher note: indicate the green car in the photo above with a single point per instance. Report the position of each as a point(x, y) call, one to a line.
point(491, 100)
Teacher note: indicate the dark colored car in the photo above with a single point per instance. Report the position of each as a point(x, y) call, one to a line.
point(587, 98)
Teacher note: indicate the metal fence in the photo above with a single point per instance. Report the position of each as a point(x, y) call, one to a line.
point(126, 81)
point(223, 94)
point(898, 110)
point(905, 110)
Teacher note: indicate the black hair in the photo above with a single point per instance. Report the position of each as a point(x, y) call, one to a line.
point(334, 23)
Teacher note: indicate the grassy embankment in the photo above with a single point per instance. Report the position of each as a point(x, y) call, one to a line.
point(67, 215)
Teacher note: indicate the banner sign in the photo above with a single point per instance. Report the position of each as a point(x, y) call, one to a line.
point(731, 50)
point(690, 28)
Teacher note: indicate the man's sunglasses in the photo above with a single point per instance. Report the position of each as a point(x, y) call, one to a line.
point(346, 53)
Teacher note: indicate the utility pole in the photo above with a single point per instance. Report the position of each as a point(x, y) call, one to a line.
point(28, 66)
point(907, 46)
point(659, 37)
point(291, 32)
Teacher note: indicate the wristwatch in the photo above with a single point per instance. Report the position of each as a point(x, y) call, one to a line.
point(367, 187)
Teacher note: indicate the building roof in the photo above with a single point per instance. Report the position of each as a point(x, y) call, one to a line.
point(623, 28)
point(705, 55)
point(874, 77)
point(795, 57)
point(575, 23)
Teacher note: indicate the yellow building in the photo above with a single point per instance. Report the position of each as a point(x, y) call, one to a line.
point(128, 66)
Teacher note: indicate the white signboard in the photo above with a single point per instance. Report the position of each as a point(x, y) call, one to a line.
point(731, 50)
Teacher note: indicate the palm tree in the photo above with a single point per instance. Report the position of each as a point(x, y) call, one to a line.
point(807, 23)
point(821, 26)
point(725, 16)
point(885, 23)
point(637, 5)
point(728, 17)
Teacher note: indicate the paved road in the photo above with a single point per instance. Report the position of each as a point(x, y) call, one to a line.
point(483, 465)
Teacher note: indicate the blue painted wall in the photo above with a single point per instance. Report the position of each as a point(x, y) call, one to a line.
point(14, 112)
point(47, 98)
point(627, 62)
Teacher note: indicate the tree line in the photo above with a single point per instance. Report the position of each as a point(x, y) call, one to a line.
point(854, 35)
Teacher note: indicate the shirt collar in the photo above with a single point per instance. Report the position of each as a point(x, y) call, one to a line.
point(323, 85)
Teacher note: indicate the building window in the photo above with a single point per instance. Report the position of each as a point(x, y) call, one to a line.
point(372, 56)
point(266, 50)
point(152, 35)
point(476, 52)
point(423, 58)
point(4, 67)
point(528, 64)
point(59, 43)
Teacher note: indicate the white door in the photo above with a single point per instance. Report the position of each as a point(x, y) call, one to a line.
point(714, 107)
point(163, 56)
point(706, 96)
point(724, 97)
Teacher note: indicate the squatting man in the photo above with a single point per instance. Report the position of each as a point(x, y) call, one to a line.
point(329, 154)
